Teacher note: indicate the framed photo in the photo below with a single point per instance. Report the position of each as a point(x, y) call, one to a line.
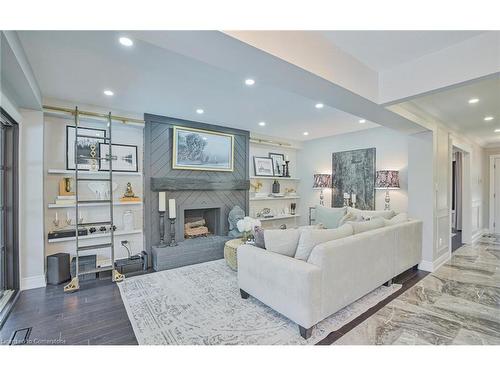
point(202, 150)
point(263, 166)
point(278, 161)
point(85, 147)
point(124, 157)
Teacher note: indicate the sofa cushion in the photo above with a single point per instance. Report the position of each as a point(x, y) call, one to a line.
point(329, 216)
point(348, 217)
point(282, 241)
point(368, 214)
point(312, 237)
point(399, 218)
point(364, 226)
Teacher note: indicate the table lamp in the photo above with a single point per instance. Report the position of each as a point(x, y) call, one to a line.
point(389, 180)
point(322, 181)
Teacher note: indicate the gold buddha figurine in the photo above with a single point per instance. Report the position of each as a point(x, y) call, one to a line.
point(129, 194)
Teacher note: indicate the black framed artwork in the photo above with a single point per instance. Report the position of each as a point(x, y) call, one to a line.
point(263, 166)
point(86, 147)
point(124, 157)
point(278, 161)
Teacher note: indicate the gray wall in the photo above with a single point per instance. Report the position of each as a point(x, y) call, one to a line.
point(158, 163)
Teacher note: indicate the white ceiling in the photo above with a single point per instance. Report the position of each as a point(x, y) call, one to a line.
point(451, 107)
point(77, 66)
point(383, 50)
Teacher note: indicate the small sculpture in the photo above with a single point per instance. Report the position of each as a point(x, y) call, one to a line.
point(129, 195)
point(235, 215)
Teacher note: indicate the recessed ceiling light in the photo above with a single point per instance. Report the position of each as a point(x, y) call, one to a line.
point(108, 93)
point(262, 123)
point(497, 130)
point(319, 105)
point(362, 121)
point(473, 100)
point(200, 111)
point(306, 133)
point(249, 82)
point(127, 42)
point(488, 118)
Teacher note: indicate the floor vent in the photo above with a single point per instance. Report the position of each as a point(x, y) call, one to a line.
point(20, 337)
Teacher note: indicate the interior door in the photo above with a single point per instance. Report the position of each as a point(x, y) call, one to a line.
point(496, 196)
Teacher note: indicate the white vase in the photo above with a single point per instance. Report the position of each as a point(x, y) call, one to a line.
point(128, 220)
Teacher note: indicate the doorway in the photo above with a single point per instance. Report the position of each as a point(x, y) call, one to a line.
point(9, 251)
point(456, 198)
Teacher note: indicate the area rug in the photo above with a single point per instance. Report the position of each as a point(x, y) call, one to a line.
point(201, 305)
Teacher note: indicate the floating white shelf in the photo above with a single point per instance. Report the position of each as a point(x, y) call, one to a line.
point(98, 235)
point(96, 173)
point(278, 217)
point(274, 198)
point(53, 205)
point(273, 178)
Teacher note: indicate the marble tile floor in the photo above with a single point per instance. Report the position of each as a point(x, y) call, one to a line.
point(456, 305)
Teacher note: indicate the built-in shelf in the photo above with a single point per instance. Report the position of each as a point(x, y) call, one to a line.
point(273, 178)
point(95, 173)
point(53, 205)
point(278, 217)
point(98, 235)
point(274, 198)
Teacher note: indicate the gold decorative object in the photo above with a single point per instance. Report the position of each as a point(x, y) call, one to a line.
point(93, 155)
point(257, 186)
point(66, 186)
point(117, 276)
point(129, 195)
point(73, 285)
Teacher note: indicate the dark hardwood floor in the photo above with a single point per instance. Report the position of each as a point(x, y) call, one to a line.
point(96, 315)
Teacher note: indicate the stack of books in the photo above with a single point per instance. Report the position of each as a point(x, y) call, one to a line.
point(65, 199)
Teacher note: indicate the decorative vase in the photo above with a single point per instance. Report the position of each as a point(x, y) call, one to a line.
point(276, 187)
point(128, 220)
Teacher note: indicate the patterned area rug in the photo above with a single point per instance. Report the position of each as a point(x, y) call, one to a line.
point(201, 305)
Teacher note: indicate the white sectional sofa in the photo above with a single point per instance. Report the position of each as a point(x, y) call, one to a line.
point(335, 274)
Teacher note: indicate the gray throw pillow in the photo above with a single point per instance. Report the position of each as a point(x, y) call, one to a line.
point(368, 214)
point(329, 216)
point(312, 237)
point(281, 241)
point(258, 235)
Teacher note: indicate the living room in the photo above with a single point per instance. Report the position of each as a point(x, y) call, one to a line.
point(273, 187)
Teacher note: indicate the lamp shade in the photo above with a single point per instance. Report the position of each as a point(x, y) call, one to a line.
point(387, 179)
point(322, 181)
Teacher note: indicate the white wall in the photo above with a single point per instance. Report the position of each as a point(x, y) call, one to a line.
point(31, 192)
point(316, 156)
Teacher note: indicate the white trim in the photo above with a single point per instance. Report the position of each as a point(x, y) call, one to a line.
point(491, 192)
point(428, 266)
point(33, 282)
point(476, 236)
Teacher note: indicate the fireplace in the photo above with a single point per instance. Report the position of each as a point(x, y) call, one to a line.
point(202, 222)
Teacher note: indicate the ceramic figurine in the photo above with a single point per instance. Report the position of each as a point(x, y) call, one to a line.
point(236, 214)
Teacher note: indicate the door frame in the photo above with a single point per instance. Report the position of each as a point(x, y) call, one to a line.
point(492, 192)
point(466, 189)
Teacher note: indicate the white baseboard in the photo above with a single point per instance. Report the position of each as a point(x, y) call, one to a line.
point(428, 266)
point(33, 282)
point(476, 236)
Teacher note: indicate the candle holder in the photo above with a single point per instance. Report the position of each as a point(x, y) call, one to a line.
point(162, 230)
point(172, 232)
point(287, 169)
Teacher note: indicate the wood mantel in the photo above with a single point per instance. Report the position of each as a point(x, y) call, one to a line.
point(176, 184)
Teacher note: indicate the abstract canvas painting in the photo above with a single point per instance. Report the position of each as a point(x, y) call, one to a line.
point(202, 150)
point(353, 172)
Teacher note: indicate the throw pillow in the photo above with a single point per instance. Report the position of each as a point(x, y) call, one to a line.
point(347, 217)
point(368, 214)
point(329, 216)
point(258, 235)
point(364, 226)
point(399, 218)
point(312, 237)
point(281, 241)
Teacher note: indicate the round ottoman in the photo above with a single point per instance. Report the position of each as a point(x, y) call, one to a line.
point(230, 252)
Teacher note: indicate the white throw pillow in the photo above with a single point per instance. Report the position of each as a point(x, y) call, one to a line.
point(312, 237)
point(368, 214)
point(282, 241)
point(399, 218)
point(364, 226)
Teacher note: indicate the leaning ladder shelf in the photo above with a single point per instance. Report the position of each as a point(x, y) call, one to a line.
point(74, 284)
